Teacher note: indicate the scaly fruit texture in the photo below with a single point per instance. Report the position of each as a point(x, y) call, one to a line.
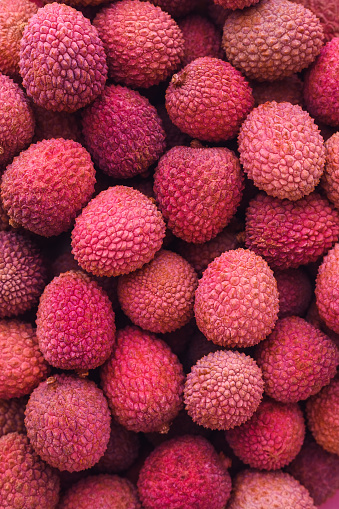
point(123, 132)
point(143, 43)
point(295, 292)
point(209, 99)
point(101, 491)
point(223, 389)
point(330, 178)
point(151, 402)
point(198, 190)
point(296, 360)
point(328, 13)
point(62, 59)
point(289, 234)
point(271, 438)
point(237, 302)
point(321, 91)
point(272, 39)
point(68, 422)
point(317, 470)
point(285, 90)
point(22, 366)
point(322, 411)
point(159, 297)
point(23, 274)
point(14, 15)
point(282, 150)
point(182, 473)
point(47, 185)
point(117, 232)
point(202, 38)
point(16, 120)
point(25, 480)
point(253, 489)
point(326, 289)
point(75, 322)
point(12, 414)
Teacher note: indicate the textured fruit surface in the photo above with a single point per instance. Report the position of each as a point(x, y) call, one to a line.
point(55, 124)
point(62, 59)
point(271, 438)
point(236, 302)
point(285, 90)
point(330, 178)
point(321, 91)
point(296, 360)
point(198, 191)
point(182, 473)
point(200, 255)
point(223, 389)
point(253, 489)
point(209, 99)
point(22, 274)
point(159, 297)
point(289, 234)
point(16, 120)
point(202, 38)
point(22, 366)
point(47, 185)
point(117, 232)
point(148, 402)
point(68, 422)
point(101, 491)
point(295, 292)
point(143, 43)
point(322, 412)
point(272, 39)
point(326, 290)
point(123, 132)
point(25, 480)
point(282, 150)
point(317, 470)
point(12, 414)
point(235, 4)
point(176, 8)
point(14, 15)
point(328, 13)
point(75, 322)
point(122, 450)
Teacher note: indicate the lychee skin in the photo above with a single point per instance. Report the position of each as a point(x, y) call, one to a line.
point(182, 473)
point(330, 178)
point(22, 366)
point(143, 43)
point(295, 292)
point(23, 274)
point(117, 232)
point(62, 59)
point(149, 403)
point(223, 389)
point(281, 150)
point(271, 438)
point(236, 302)
point(159, 297)
point(321, 92)
point(12, 414)
point(322, 411)
point(101, 491)
point(289, 234)
point(68, 422)
point(209, 99)
point(254, 489)
point(272, 39)
point(14, 15)
point(75, 322)
point(198, 191)
point(25, 480)
point(202, 38)
point(296, 360)
point(326, 290)
point(47, 185)
point(16, 120)
point(123, 132)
